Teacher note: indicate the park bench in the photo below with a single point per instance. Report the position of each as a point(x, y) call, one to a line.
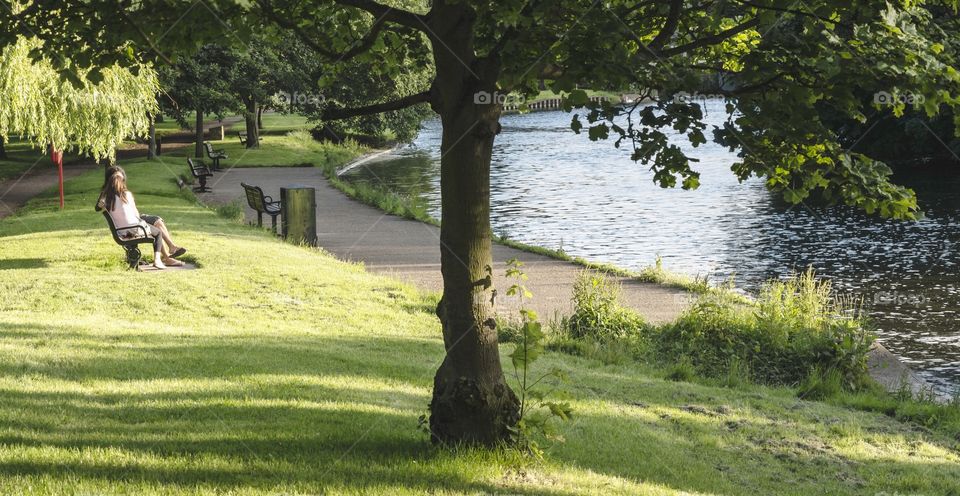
point(214, 155)
point(243, 137)
point(130, 241)
point(262, 204)
point(201, 172)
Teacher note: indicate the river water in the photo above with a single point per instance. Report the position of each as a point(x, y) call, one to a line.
point(553, 188)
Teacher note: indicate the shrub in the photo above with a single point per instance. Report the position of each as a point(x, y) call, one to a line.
point(796, 326)
point(597, 311)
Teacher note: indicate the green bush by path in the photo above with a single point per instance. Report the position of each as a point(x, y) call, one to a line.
point(795, 330)
point(597, 310)
point(278, 369)
point(795, 327)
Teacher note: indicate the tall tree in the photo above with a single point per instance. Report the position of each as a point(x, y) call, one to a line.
point(201, 83)
point(256, 77)
point(786, 59)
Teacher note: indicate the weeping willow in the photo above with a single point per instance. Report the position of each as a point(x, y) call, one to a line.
point(90, 118)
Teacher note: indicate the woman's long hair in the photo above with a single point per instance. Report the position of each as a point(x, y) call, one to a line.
point(114, 185)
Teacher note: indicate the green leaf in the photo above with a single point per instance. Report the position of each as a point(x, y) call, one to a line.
point(598, 132)
point(575, 124)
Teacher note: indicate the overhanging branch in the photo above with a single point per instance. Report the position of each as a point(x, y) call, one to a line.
point(357, 48)
point(710, 40)
point(669, 27)
point(381, 11)
point(333, 114)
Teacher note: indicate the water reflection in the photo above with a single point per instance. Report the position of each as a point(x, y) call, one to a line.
point(556, 189)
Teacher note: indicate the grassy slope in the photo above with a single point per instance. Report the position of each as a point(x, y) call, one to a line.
point(275, 368)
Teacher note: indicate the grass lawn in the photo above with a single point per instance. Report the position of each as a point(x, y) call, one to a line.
point(291, 149)
point(273, 123)
point(169, 125)
point(277, 123)
point(278, 369)
point(21, 158)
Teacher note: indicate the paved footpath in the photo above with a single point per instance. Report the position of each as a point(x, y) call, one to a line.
point(410, 250)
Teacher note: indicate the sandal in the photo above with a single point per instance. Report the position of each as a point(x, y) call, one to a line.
point(170, 262)
point(179, 253)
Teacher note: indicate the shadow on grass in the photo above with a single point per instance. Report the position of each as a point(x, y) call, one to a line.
point(341, 412)
point(22, 263)
point(301, 413)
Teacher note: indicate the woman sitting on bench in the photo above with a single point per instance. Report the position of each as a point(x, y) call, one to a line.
point(118, 201)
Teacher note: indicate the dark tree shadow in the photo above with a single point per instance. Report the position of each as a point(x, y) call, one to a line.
point(22, 263)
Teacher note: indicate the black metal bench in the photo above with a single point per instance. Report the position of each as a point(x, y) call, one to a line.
point(262, 204)
point(130, 242)
point(214, 155)
point(243, 137)
point(201, 172)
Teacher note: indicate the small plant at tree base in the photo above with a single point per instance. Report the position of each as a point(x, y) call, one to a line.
point(537, 407)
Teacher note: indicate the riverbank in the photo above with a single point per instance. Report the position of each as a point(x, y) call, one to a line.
point(553, 188)
point(248, 374)
point(884, 367)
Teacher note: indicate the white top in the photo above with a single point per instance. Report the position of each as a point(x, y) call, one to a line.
point(125, 214)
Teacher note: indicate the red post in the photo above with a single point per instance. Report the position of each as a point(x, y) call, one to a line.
point(57, 157)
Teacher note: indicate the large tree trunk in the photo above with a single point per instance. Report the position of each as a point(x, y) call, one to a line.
point(472, 402)
point(3, 148)
point(253, 131)
point(199, 135)
point(152, 139)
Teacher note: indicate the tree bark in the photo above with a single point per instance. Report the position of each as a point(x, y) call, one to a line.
point(250, 118)
point(198, 132)
point(152, 139)
point(3, 149)
point(472, 402)
point(259, 119)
